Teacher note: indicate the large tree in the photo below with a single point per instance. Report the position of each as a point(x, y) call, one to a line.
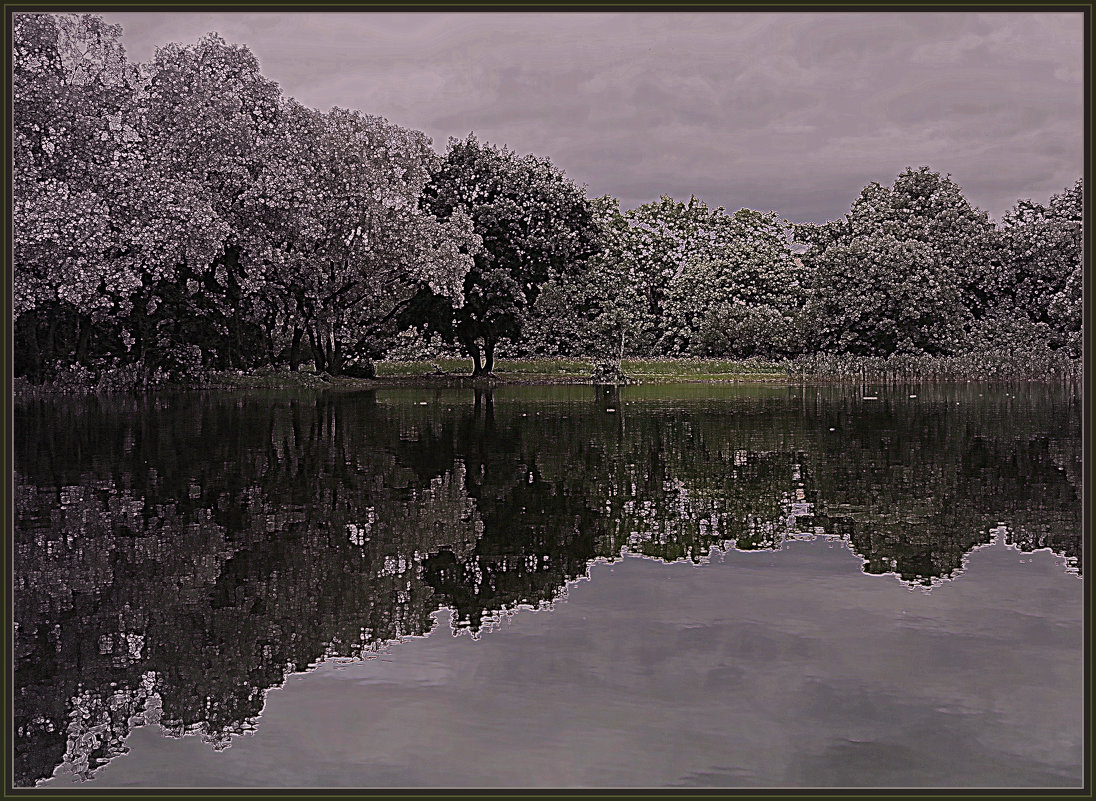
point(188, 215)
point(663, 270)
point(342, 235)
point(127, 187)
point(1039, 274)
point(205, 112)
point(877, 296)
point(534, 223)
point(901, 272)
point(71, 147)
point(666, 235)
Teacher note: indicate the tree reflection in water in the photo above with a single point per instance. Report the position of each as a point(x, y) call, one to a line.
point(178, 555)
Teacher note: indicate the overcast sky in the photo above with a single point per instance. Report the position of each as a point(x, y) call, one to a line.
point(786, 111)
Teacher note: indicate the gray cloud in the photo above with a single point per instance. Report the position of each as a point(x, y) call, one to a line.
point(794, 112)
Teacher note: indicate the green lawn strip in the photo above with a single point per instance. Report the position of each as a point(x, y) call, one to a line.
point(647, 370)
point(454, 372)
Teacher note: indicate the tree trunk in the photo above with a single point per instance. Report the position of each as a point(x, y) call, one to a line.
point(333, 351)
point(654, 303)
point(295, 348)
point(231, 262)
point(271, 356)
point(489, 356)
point(140, 334)
point(318, 353)
point(35, 373)
point(50, 334)
point(335, 361)
point(83, 327)
point(474, 351)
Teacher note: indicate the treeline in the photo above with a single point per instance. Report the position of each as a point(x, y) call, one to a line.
point(184, 215)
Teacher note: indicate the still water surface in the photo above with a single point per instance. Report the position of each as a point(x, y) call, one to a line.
point(694, 586)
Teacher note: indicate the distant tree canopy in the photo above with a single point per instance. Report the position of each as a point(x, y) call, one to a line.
point(890, 277)
point(714, 300)
point(183, 214)
point(667, 273)
point(1039, 269)
point(592, 310)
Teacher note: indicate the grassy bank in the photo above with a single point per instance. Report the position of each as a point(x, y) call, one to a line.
point(645, 371)
point(434, 372)
point(457, 372)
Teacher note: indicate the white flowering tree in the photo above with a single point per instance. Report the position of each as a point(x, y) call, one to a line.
point(714, 300)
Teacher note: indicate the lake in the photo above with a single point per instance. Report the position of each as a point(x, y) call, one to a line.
point(657, 586)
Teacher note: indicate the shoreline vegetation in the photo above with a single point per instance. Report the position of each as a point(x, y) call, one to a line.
point(183, 223)
point(454, 372)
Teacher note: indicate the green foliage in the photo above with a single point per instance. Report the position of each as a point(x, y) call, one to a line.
point(71, 87)
point(1040, 270)
point(534, 223)
point(725, 306)
point(667, 238)
point(889, 278)
point(878, 296)
point(183, 216)
point(743, 332)
point(666, 272)
point(915, 269)
point(340, 236)
point(598, 309)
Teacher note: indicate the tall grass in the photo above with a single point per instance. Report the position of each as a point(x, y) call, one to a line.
point(970, 366)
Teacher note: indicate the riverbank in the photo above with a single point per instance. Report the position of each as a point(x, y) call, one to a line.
point(457, 373)
point(580, 371)
point(427, 373)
